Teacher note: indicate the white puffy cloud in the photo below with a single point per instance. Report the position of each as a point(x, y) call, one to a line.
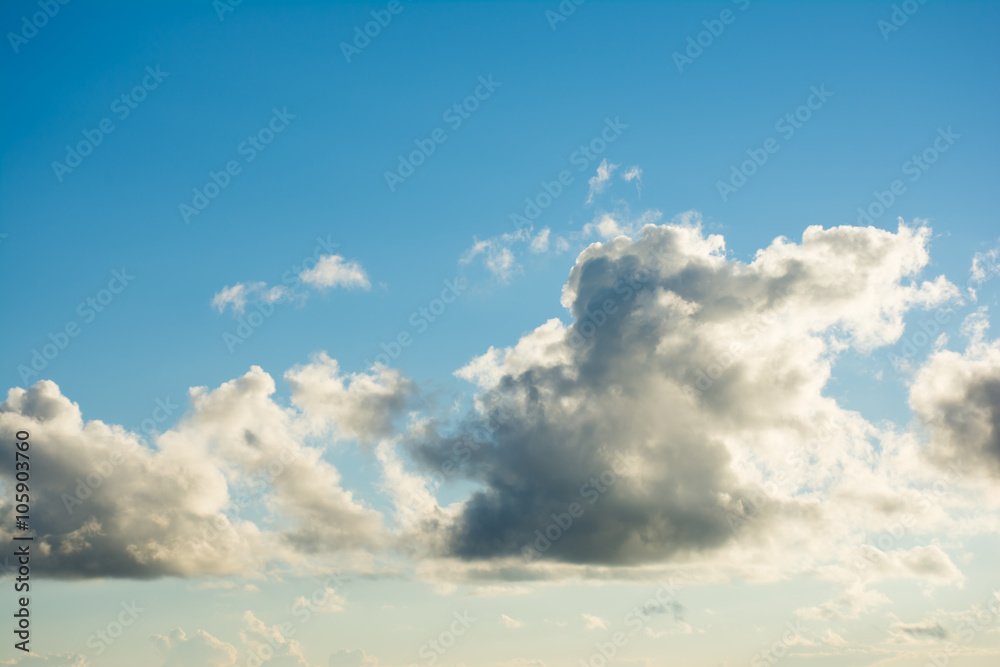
point(111, 505)
point(605, 227)
point(335, 271)
point(610, 225)
point(356, 405)
point(328, 271)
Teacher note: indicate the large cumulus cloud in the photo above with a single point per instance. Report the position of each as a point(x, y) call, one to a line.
point(679, 419)
point(705, 374)
point(107, 503)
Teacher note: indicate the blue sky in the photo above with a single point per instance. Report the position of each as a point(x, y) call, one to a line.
point(320, 189)
point(685, 130)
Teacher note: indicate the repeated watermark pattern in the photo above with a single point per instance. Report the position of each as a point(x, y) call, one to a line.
point(698, 43)
point(363, 35)
point(561, 13)
point(899, 16)
point(637, 618)
point(249, 149)
point(786, 126)
point(31, 24)
point(581, 158)
point(419, 320)
point(454, 116)
point(122, 106)
point(915, 167)
point(247, 325)
point(591, 491)
point(87, 311)
point(435, 648)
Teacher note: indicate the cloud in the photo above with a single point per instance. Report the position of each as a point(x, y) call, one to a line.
point(591, 622)
point(706, 374)
point(934, 631)
point(606, 227)
point(335, 271)
point(356, 405)
point(202, 649)
point(984, 265)
point(633, 174)
point(610, 225)
point(540, 243)
point(328, 271)
point(927, 564)
point(676, 422)
point(679, 628)
point(499, 257)
point(957, 396)
point(258, 644)
point(509, 622)
point(237, 296)
point(672, 608)
point(499, 254)
point(599, 182)
point(331, 602)
point(110, 505)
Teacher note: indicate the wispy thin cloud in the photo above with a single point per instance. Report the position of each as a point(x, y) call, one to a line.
point(237, 296)
point(509, 622)
point(599, 182)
